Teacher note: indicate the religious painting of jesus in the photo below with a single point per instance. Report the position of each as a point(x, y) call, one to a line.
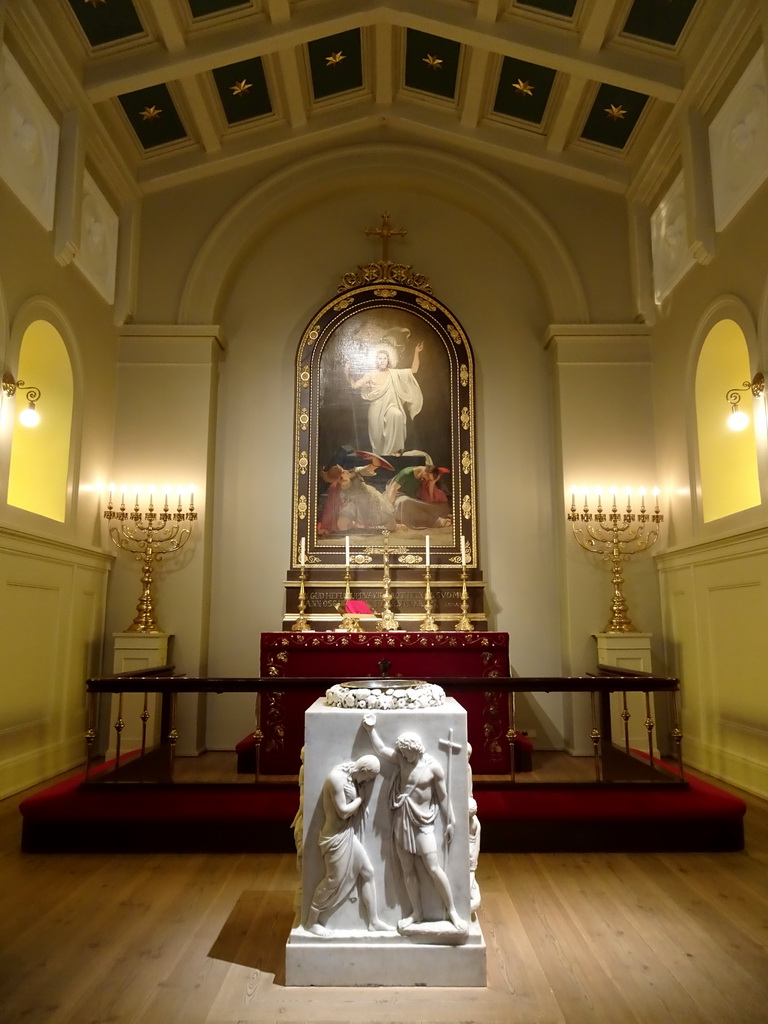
point(384, 433)
point(384, 393)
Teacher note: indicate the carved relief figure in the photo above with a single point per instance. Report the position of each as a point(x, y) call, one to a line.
point(418, 794)
point(346, 861)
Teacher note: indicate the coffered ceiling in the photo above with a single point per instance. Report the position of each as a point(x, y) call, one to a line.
point(181, 89)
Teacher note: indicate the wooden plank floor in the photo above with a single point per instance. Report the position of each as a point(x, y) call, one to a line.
point(199, 939)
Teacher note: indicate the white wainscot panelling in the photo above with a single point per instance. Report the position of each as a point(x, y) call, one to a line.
point(669, 241)
point(738, 143)
point(52, 600)
point(715, 598)
point(29, 142)
point(96, 255)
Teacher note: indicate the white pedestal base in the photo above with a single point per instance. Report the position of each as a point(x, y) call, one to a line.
point(376, 958)
point(435, 952)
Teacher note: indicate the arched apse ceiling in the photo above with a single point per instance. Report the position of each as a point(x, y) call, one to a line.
point(457, 181)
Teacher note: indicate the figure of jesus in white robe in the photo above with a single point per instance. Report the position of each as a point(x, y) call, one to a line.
point(393, 397)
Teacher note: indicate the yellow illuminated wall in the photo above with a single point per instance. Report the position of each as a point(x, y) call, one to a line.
point(727, 458)
point(39, 466)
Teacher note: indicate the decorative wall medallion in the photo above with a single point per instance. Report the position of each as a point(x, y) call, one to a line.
point(303, 462)
point(738, 143)
point(29, 142)
point(466, 462)
point(465, 418)
point(464, 375)
point(303, 419)
point(96, 256)
point(466, 508)
point(669, 241)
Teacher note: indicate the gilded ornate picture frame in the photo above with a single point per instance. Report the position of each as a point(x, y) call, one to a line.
point(384, 425)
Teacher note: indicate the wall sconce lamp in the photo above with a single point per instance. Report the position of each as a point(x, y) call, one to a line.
point(738, 419)
point(29, 417)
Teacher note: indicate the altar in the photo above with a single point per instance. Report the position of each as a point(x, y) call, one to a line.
point(473, 656)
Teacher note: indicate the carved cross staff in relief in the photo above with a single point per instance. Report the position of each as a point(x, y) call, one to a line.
point(385, 232)
point(451, 748)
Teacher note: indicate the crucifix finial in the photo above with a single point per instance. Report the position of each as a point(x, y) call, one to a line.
point(385, 232)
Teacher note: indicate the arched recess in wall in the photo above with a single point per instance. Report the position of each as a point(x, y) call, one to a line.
point(40, 456)
point(729, 476)
point(458, 181)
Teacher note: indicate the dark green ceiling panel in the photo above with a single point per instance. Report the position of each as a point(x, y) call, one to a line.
point(523, 90)
point(565, 7)
point(200, 8)
point(105, 21)
point(336, 63)
point(613, 116)
point(660, 20)
point(431, 63)
point(153, 116)
point(242, 89)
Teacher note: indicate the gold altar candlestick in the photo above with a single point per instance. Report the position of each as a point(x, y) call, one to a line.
point(387, 622)
point(464, 625)
point(349, 621)
point(149, 536)
point(427, 624)
point(301, 625)
point(614, 537)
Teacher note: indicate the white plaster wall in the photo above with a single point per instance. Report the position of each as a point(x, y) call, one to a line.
point(53, 576)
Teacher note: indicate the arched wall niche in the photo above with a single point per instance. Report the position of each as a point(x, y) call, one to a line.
point(726, 468)
point(60, 412)
point(484, 195)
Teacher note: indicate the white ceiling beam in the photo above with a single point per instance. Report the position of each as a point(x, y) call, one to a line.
point(384, 64)
point(198, 108)
point(533, 43)
point(422, 123)
point(295, 107)
point(474, 90)
point(169, 25)
point(488, 10)
point(563, 127)
point(596, 22)
point(278, 11)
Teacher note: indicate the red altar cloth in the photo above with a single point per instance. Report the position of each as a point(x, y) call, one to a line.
point(373, 655)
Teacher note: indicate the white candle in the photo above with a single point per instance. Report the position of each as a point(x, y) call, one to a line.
point(573, 499)
point(463, 551)
point(346, 553)
point(427, 549)
point(303, 555)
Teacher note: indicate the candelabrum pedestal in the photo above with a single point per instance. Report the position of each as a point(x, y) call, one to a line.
point(616, 536)
point(150, 536)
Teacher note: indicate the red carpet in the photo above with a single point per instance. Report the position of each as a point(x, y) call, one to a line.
point(71, 817)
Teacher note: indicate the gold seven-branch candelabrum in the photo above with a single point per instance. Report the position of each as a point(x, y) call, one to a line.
point(616, 536)
point(150, 536)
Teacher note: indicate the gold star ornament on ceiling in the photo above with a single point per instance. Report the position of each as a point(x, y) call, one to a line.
point(435, 63)
point(335, 58)
point(240, 88)
point(615, 111)
point(150, 113)
point(524, 88)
